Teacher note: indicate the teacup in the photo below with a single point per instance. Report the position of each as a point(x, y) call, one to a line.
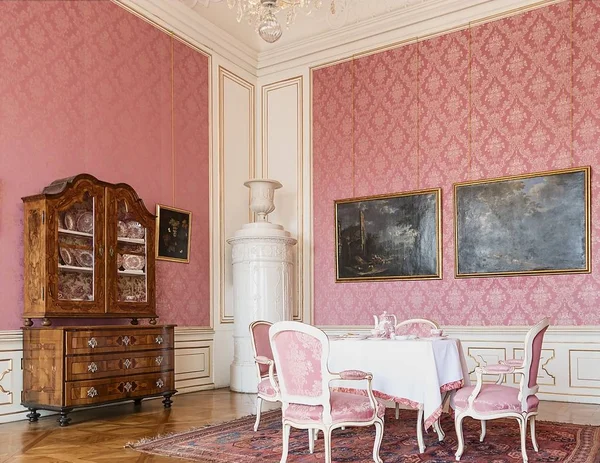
point(436, 332)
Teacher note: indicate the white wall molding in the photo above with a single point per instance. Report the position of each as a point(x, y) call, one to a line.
point(570, 364)
point(193, 367)
point(418, 21)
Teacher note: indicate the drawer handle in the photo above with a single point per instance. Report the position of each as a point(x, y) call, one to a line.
point(159, 339)
point(126, 363)
point(92, 367)
point(92, 342)
point(92, 392)
point(160, 383)
point(158, 359)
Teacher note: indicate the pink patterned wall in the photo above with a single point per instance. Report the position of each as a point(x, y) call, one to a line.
point(513, 96)
point(87, 87)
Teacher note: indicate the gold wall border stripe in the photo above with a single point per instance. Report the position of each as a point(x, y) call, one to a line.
point(298, 83)
point(418, 53)
point(311, 256)
point(353, 135)
point(572, 112)
point(226, 74)
point(172, 46)
point(174, 36)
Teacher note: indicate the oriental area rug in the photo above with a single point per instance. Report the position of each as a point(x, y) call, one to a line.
point(236, 442)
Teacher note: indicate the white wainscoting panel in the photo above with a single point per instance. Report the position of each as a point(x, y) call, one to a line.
point(193, 367)
point(569, 367)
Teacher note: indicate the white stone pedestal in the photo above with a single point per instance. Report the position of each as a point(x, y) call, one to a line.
point(263, 272)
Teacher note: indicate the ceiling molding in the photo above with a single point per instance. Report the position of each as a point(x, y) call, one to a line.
point(399, 26)
point(191, 27)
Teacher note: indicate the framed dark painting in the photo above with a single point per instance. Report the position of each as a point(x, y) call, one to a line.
point(523, 225)
point(174, 230)
point(389, 237)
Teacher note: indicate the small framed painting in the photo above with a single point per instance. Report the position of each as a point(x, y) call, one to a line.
point(523, 225)
point(173, 233)
point(389, 237)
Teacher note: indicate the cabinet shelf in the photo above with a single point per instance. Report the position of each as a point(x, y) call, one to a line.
point(131, 272)
point(73, 268)
point(122, 239)
point(75, 232)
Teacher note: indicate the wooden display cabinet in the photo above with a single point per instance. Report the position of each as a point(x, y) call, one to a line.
point(89, 252)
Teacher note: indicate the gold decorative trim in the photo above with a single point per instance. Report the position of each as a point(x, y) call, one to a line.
point(543, 366)
point(478, 363)
point(226, 74)
point(8, 370)
point(571, 351)
point(298, 83)
point(171, 41)
point(587, 194)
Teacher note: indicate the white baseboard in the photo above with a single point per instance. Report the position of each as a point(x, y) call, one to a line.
point(570, 364)
point(193, 367)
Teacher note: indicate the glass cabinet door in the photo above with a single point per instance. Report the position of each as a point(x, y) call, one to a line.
point(131, 254)
point(77, 272)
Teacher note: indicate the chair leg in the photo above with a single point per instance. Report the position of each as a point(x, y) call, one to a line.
point(258, 408)
point(420, 440)
point(483, 430)
point(378, 439)
point(311, 440)
point(286, 442)
point(397, 410)
point(523, 428)
point(440, 432)
point(327, 439)
point(459, 436)
point(533, 436)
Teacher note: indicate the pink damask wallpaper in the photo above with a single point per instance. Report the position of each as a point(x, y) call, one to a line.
point(516, 95)
point(87, 87)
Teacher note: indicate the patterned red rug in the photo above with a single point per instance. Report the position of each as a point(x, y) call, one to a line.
point(235, 442)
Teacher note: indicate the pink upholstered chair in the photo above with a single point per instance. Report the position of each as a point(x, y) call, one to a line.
point(263, 356)
point(301, 353)
point(490, 401)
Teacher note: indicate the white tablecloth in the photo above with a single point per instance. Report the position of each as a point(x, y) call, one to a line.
point(407, 371)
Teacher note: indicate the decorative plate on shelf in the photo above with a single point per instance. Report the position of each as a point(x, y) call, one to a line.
point(70, 220)
point(84, 258)
point(135, 230)
point(85, 222)
point(67, 256)
point(122, 229)
point(133, 262)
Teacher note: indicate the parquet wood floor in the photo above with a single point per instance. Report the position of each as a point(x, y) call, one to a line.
point(99, 435)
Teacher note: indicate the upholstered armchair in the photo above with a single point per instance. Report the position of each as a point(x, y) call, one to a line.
point(301, 354)
point(490, 401)
point(265, 366)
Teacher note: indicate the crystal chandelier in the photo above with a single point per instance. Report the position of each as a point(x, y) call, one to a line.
point(262, 14)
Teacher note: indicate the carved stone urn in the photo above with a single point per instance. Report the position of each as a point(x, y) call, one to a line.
point(263, 261)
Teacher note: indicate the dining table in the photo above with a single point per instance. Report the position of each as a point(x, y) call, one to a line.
point(419, 372)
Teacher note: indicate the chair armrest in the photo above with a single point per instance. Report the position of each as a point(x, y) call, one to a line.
point(517, 363)
point(263, 360)
point(355, 375)
point(487, 370)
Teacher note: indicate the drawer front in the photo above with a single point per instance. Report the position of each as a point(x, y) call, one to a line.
point(106, 340)
point(83, 367)
point(110, 389)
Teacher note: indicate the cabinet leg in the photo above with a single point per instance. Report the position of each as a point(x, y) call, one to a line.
point(152, 321)
point(137, 402)
point(62, 419)
point(33, 415)
point(28, 322)
point(46, 322)
point(167, 401)
point(135, 321)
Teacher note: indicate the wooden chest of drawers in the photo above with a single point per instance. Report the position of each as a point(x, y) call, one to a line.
point(71, 367)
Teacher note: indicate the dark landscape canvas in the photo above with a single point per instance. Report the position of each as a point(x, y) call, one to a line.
point(389, 237)
point(523, 225)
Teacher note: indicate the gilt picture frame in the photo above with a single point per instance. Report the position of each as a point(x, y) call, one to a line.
point(528, 224)
point(389, 237)
point(173, 234)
